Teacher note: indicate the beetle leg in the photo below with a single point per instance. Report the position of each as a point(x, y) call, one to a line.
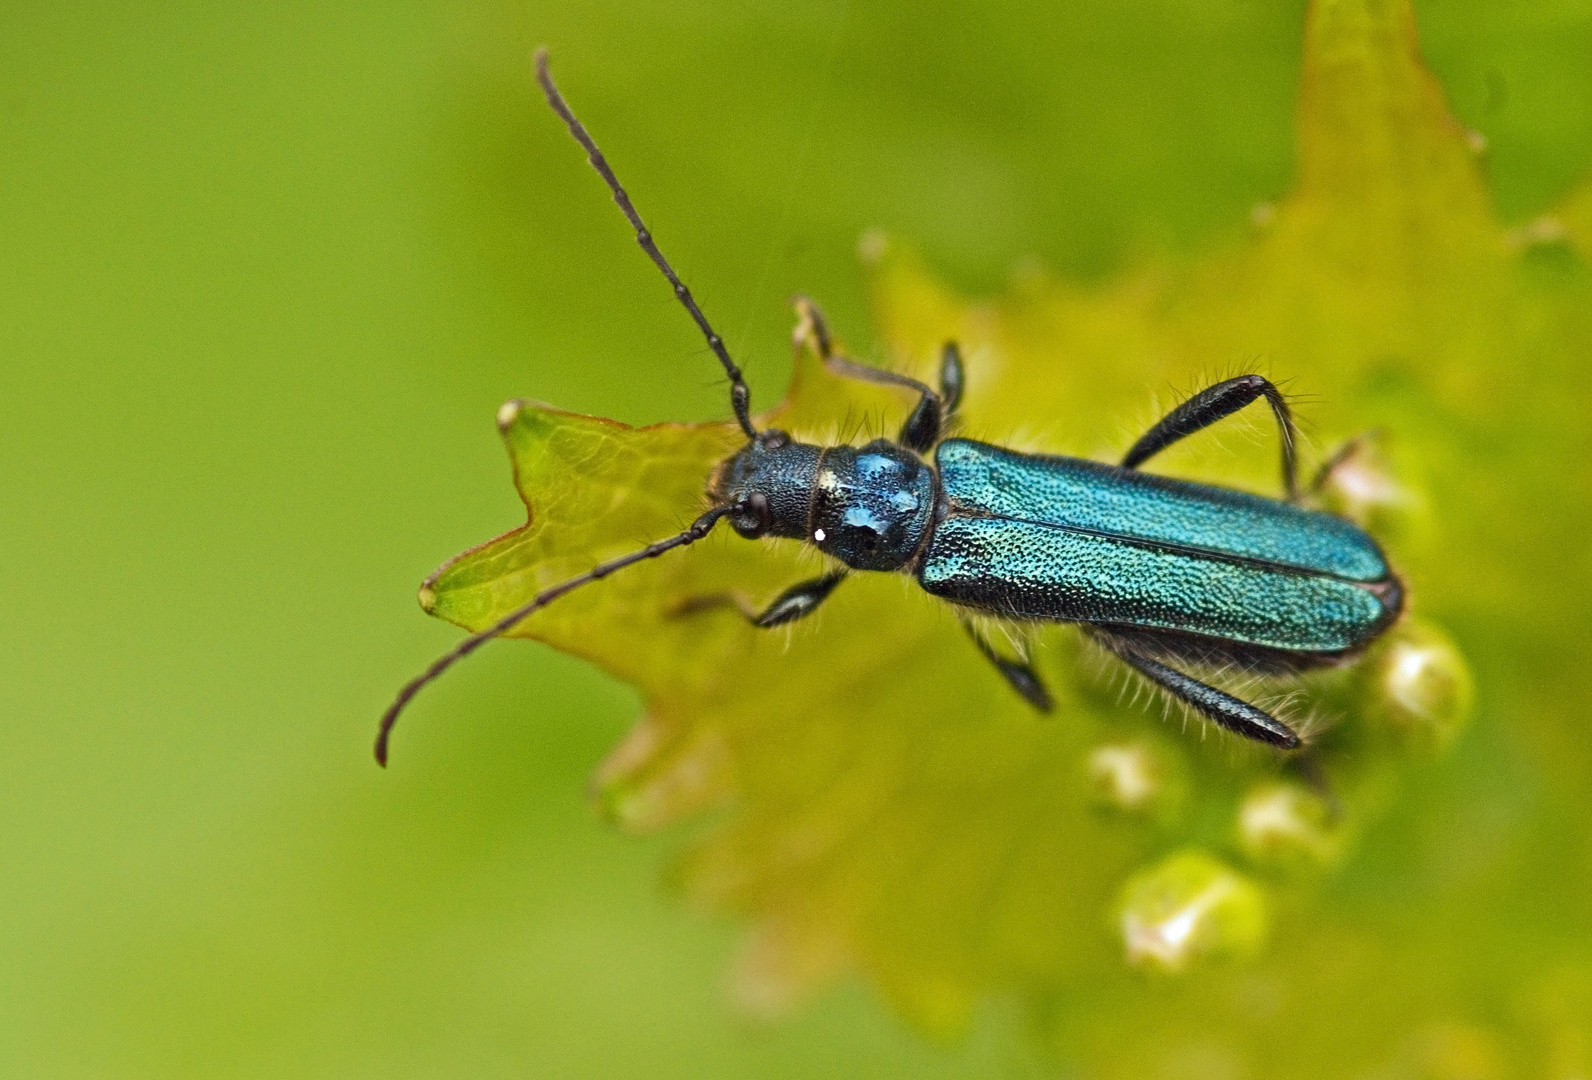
point(950, 378)
point(922, 428)
point(1212, 404)
point(1236, 716)
point(695, 605)
point(1021, 676)
point(812, 329)
point(798, 601)
point(1338, 458)
point(927, 422)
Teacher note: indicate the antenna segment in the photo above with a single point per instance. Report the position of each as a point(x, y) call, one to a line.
point(699, 528)
point(740, 395)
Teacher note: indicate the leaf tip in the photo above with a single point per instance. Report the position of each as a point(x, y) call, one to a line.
point(508, 412)
point(1375, 128)
point(653, 778)
point(428, 598)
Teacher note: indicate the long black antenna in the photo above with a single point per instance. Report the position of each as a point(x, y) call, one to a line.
point(740, 396)
point(699, 528)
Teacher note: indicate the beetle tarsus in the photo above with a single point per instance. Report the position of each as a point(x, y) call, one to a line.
point(951, 378)
point(1337, 459)
point(1019, 675)
point(812, 328)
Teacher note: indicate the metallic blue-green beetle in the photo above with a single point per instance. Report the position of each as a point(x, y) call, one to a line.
point(1162, 572)
point(1159, 570)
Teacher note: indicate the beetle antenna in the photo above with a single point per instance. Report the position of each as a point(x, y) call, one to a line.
point(699, 528)
point(740, 395)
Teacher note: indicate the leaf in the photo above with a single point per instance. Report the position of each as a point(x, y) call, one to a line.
point(1572, 222)
point(888, 806)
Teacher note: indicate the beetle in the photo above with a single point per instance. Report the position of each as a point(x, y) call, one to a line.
point(1163, 573)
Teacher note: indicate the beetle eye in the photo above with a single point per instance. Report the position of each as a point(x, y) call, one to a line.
point(752, 518)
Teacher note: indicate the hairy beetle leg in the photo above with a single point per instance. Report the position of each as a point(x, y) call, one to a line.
point(1212, 404)
point(927, 421)
point(1239, 717)
point(798, 601)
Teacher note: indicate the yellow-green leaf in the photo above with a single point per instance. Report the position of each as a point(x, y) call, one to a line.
point(888, 807)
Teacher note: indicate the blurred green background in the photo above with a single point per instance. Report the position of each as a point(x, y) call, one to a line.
point(265, 274)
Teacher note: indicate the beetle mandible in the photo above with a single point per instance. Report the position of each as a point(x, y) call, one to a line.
point(1163, 573)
